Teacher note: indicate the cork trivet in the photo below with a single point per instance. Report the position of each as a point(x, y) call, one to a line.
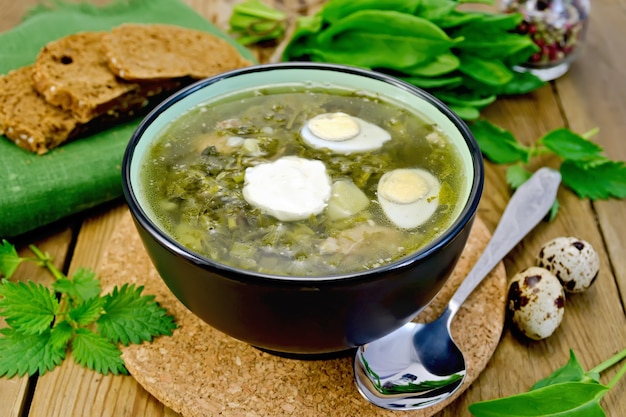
point(200, 372)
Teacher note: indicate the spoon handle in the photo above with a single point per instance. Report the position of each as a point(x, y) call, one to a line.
point(526, 208)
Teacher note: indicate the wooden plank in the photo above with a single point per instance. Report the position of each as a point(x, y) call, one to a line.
point(14, 392)
point(593, 94)
point(595, 323)
point(584, 98)
point(518, 363)
point(12, 12)
point(71, 390)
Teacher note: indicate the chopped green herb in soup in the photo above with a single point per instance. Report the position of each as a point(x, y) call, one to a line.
point(303, 183)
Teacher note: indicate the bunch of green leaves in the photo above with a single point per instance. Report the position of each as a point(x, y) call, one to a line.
point(569, 391)
point(463, 57)
point(45, 324)
point(584, 168)
point(252, 21)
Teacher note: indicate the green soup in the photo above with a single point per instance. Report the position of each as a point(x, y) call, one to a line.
point(195, 172)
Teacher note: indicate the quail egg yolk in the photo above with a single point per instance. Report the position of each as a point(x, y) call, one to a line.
point(403, 186)
point(343, 133)
point(290, 188)
point(334, 126)
point(408, 197)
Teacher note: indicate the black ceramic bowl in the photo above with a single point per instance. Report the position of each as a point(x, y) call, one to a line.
point(304, 315)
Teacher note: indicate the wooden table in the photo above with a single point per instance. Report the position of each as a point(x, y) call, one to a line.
point(592, 94)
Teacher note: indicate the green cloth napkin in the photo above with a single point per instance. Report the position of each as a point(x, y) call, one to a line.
point(37, 190)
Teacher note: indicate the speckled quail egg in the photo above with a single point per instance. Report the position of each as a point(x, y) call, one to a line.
point(290, 188)
point(408, 196)
point(536, 302)
point(574, 262)
point(343, 133)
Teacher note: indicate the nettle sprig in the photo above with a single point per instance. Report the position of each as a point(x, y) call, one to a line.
point(584, 167)
point(45, 324)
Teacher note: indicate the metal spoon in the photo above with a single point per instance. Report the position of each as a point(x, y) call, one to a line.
point(420, 365)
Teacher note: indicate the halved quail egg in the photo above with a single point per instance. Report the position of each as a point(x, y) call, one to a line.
point(408, 196)
point(343, 133)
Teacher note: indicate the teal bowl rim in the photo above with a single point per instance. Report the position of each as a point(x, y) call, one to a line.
point(465, 216)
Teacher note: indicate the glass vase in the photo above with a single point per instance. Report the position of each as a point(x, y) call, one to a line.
point(557, 27)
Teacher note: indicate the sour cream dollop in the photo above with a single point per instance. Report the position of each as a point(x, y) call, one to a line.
point(290, 188)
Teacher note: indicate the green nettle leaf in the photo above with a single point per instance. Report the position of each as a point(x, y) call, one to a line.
point(568, 145)
point(42, 328)
point(517, 175)
point(29, 308)
point(497, 144)
point(22, 354)
point(83, 285)
point(133, 318)
point(9, 259)
point(571, 399)
point(571, 372)
point(96, 352)
point(554, 210)
point(88, 311)
point(61, 334)
point(583, 167)
point(595, 179)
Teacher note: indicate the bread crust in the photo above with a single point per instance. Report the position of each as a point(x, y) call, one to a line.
point(27, 119)
point(143, 52)
point(32, 123)
point(72, 73)
point(73, 88)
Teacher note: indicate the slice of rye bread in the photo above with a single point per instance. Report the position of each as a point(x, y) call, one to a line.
point(28, 119)
point(34, 124)
point(158, 51)
point(72, 73)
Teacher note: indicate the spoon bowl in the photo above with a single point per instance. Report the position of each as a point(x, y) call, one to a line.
point(420, 365)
